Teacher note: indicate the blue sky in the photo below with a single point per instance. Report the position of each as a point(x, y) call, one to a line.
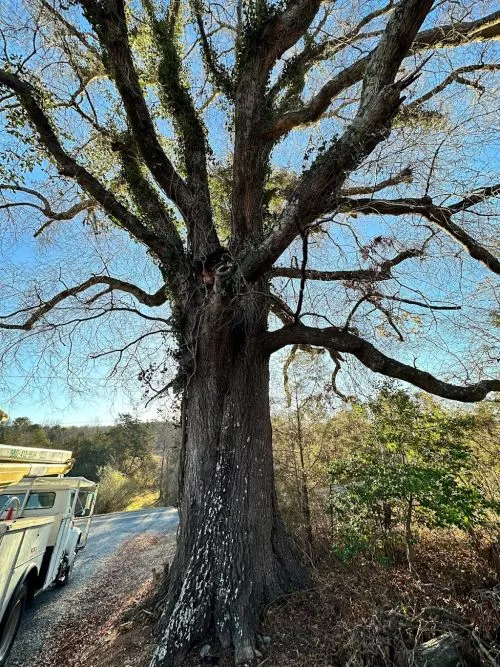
point(40, 384)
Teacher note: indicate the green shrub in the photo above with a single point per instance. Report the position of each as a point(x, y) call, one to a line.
point(413, 468)
point(115, 490)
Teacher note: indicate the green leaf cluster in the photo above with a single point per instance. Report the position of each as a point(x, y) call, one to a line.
point(414, 467)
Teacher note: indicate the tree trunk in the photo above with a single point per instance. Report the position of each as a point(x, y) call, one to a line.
point(306, 507)
point(233, 555)
point(408, 532)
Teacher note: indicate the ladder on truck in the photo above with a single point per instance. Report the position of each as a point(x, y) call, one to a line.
point(19, 462)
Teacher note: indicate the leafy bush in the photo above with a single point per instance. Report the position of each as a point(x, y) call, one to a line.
point(415, 467)
point(115, 490)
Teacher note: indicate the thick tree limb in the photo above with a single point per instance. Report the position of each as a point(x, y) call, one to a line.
point(69, 167)
point(109, 22)
point(316, 107)
point(380, 100)
point(156, 299)
point(176, 98)
point(455, 34)
point(347, 342)
point(374, 274)
point(261, 46)
point(144, 195)
point(439, 215)
point(286, 28)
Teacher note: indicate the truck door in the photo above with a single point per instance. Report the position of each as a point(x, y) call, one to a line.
point(84, 510)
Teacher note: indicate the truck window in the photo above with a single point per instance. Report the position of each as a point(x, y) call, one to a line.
point(83, 503)
point(36, 501)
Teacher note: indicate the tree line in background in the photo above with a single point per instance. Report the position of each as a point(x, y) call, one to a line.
point(134, 462)
point(368, 475)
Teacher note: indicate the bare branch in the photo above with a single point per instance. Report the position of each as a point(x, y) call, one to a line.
point(121, 350)
point(420, 304)
point(221, 78)
point(350, 343)
point(404, 176)
point(375, 301)
point(69, 167)
point(476, 197)
point(156, 299)
point(439, 215)
point(334, 356)
point(80, 36)
point(483, 29)
point(48, 212)
point(317, 106)
point(303, 269)
point(374, 274)
point(297, 67)
point(454, 77)
point(281, 309)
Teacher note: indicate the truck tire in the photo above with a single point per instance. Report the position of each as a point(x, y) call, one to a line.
point(11, 622)
point(64, 576)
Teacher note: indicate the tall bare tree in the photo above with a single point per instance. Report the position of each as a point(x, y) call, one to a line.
point(109, 108)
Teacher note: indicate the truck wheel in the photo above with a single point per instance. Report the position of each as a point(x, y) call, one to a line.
point(64, 576)
point(11, 621)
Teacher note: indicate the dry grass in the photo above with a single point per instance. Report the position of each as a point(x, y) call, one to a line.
point(368, 614)
point(94, 634)
point(363, 614)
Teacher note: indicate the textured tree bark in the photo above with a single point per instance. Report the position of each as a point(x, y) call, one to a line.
point(233, 555)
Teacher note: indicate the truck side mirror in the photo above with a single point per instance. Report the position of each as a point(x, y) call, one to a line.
point(82, 512)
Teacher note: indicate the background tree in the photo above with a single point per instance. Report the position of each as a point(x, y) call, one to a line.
point(133, 461)
point(23, 433)
point(130, 445)
point(121, 114)
point(414, 467)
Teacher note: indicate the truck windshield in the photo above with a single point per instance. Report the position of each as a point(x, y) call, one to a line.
point(36, 501)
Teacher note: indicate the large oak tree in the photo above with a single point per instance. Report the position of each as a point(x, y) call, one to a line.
point(108, 111)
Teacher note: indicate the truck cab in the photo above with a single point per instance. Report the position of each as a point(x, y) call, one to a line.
point(69, 501)
point(44, 522)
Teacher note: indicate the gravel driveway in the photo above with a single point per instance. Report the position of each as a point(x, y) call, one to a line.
point(108, 532)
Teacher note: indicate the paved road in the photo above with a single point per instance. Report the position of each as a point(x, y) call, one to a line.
point(106, 535)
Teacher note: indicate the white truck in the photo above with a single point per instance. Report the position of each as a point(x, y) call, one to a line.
point(44, 521)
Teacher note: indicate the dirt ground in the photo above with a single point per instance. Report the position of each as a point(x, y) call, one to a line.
point(362, 614)
point(94, 634)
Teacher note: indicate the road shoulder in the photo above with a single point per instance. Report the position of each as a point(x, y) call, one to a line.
point(89, 634)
